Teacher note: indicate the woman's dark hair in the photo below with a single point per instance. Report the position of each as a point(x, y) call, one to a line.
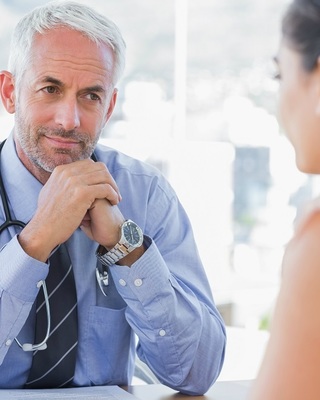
point(301, 30)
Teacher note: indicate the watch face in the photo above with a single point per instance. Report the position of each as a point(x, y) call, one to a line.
point(132, 233)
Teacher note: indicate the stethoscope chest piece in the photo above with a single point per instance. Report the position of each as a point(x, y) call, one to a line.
point(103, 280)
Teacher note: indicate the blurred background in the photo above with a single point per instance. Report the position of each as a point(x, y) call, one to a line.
point(198, 101)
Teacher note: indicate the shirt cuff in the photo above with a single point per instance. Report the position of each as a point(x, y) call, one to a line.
point(20, 273)
point(146, 277)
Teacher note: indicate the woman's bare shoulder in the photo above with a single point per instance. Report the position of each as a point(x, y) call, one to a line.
point(292, 360)
point(302, 255)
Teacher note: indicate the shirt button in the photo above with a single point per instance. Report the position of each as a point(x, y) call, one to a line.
point(8, 342)
point(162, 332)
point(138, 282)
point(122, 282)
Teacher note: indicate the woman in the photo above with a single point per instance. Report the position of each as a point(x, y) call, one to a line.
point(291, 366)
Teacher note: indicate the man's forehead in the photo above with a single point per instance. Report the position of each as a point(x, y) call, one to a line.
point(52, 57)
point(71, 46)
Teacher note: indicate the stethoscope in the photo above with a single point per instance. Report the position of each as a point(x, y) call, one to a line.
point(14, 222)
point(102, 276)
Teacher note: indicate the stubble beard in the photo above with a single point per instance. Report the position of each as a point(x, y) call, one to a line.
point(30, 142)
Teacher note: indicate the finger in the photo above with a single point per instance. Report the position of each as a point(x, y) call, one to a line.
point(103, 178)
point(89, 173)
point(106, 191)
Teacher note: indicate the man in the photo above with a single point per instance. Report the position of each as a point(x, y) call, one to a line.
point(138, 279)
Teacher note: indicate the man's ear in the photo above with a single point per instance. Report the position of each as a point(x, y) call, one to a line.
point(112, 104)
point(7, 91)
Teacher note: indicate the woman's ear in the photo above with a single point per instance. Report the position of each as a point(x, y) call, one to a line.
point(7, 91)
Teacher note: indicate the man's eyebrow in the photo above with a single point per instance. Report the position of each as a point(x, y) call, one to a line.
point(57, 82)
point(54, 81)
point(95, 88)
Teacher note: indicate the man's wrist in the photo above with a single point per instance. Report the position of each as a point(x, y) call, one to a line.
point(131, 239)
point(107, 259)
point(132, 257)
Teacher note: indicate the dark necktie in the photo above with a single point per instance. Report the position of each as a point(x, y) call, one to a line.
point(54, 366)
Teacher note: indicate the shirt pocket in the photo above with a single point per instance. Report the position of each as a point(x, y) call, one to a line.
point(108, 338)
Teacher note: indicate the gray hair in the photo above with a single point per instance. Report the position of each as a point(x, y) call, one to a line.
point(69, 14)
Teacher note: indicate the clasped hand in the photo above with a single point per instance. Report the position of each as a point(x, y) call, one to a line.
point(81, 194)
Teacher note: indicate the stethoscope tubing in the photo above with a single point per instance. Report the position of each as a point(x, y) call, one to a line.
point(9, 221)
point(13, 222)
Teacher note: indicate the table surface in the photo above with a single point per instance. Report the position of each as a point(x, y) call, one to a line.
point(222, 390)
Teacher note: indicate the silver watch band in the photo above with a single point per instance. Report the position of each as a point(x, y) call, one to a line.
point(111, 257)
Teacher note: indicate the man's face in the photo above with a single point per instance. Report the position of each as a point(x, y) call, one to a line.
point(64, 99)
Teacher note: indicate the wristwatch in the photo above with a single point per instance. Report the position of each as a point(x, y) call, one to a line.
point(131, 238)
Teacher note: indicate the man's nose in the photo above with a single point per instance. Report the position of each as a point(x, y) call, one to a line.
point(67, 115)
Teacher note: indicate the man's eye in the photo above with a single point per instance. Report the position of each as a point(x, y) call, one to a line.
point(93, 97)
point(50, 89)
